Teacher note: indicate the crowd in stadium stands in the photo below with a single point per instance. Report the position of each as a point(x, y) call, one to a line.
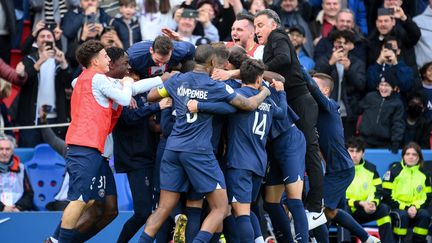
point(377, 55)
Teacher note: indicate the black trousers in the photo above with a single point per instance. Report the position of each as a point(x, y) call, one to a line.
point(141, 185)
point(5, 48)
point(420, 223)
point(307, 109)
point(381, 215)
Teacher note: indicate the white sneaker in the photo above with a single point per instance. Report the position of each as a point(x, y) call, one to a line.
point(373, 239)
point(315, 219)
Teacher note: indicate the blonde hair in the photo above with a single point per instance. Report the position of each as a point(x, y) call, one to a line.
point(5, 88)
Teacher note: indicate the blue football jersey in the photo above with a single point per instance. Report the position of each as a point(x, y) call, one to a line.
point(247, 135)
point(192, 132)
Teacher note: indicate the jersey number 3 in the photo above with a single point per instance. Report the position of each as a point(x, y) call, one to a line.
point(191, 117)
point(259, 127)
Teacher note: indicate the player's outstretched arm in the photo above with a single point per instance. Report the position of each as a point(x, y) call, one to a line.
point(220, 108)
point(251, 103)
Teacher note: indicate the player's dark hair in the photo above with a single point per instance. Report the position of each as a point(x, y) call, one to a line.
point(87, 51)
point(249, 17)
point(327, 78)
point(250, 70)
point(187, 66)
point(356, 142)
point(115, 53)
point(204, 54)
point(237, 55)
point(162, 45)
point(417, 148)
point(271, 14)
point(221, 53)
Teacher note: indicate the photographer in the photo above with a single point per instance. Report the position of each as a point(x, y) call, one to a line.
point(394, 22)
point(30, 44)
point(48, 76)
point(391, 65)
point(187, 21)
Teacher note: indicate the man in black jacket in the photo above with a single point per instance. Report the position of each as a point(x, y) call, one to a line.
point(280, 57)
point(48, 77)
point(349, 74)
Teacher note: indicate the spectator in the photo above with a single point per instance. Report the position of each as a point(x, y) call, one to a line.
point(391, 65)
point(325, 19)
point(423, 49)
point(50, 11)
point(358, 7)
point(407, 190)
point(8, 28)
point(127, 26)
point(344, 21)
point(30, 44)
point(382, 124)
point(417, 128)
point(426, 75)
point(150, 58)
point(188, 21)
point(365, 193)
point(157, 14)
point(349, 74)
point(109, 38)
point(5, 91)
point(398, 25)
point(16, 193)
point(256, 6)
point(48, 76)
point(297, 37)
point(111, 7)
point(85, 22)
point(16, 76)
point(290, 13)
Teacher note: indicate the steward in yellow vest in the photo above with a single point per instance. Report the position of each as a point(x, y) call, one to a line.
point(407, 190)
point(365, 192)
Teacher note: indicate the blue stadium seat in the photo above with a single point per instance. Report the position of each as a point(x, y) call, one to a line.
point(124, 195)
point(25, 154)
point(45, 171)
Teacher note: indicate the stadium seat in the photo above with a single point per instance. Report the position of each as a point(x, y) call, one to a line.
point(45, 171)
point(25, 154)
point(124, 195)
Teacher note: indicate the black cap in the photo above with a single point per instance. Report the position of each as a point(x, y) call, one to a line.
point(297, 28)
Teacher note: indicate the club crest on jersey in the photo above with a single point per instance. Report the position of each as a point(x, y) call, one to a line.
point(387, 176)
point(101, 193)
point(419, 188)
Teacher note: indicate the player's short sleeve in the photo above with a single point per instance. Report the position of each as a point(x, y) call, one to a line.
point(168, 87)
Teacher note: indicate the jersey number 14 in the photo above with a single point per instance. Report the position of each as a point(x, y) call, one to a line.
point(259, 127)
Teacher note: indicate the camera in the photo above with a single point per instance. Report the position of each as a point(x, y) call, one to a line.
point(47, 108)
point(109, 28)
point(50, 45)
point(51, 25)
point(91, 18)
point(385, 11)
point(190, 13)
